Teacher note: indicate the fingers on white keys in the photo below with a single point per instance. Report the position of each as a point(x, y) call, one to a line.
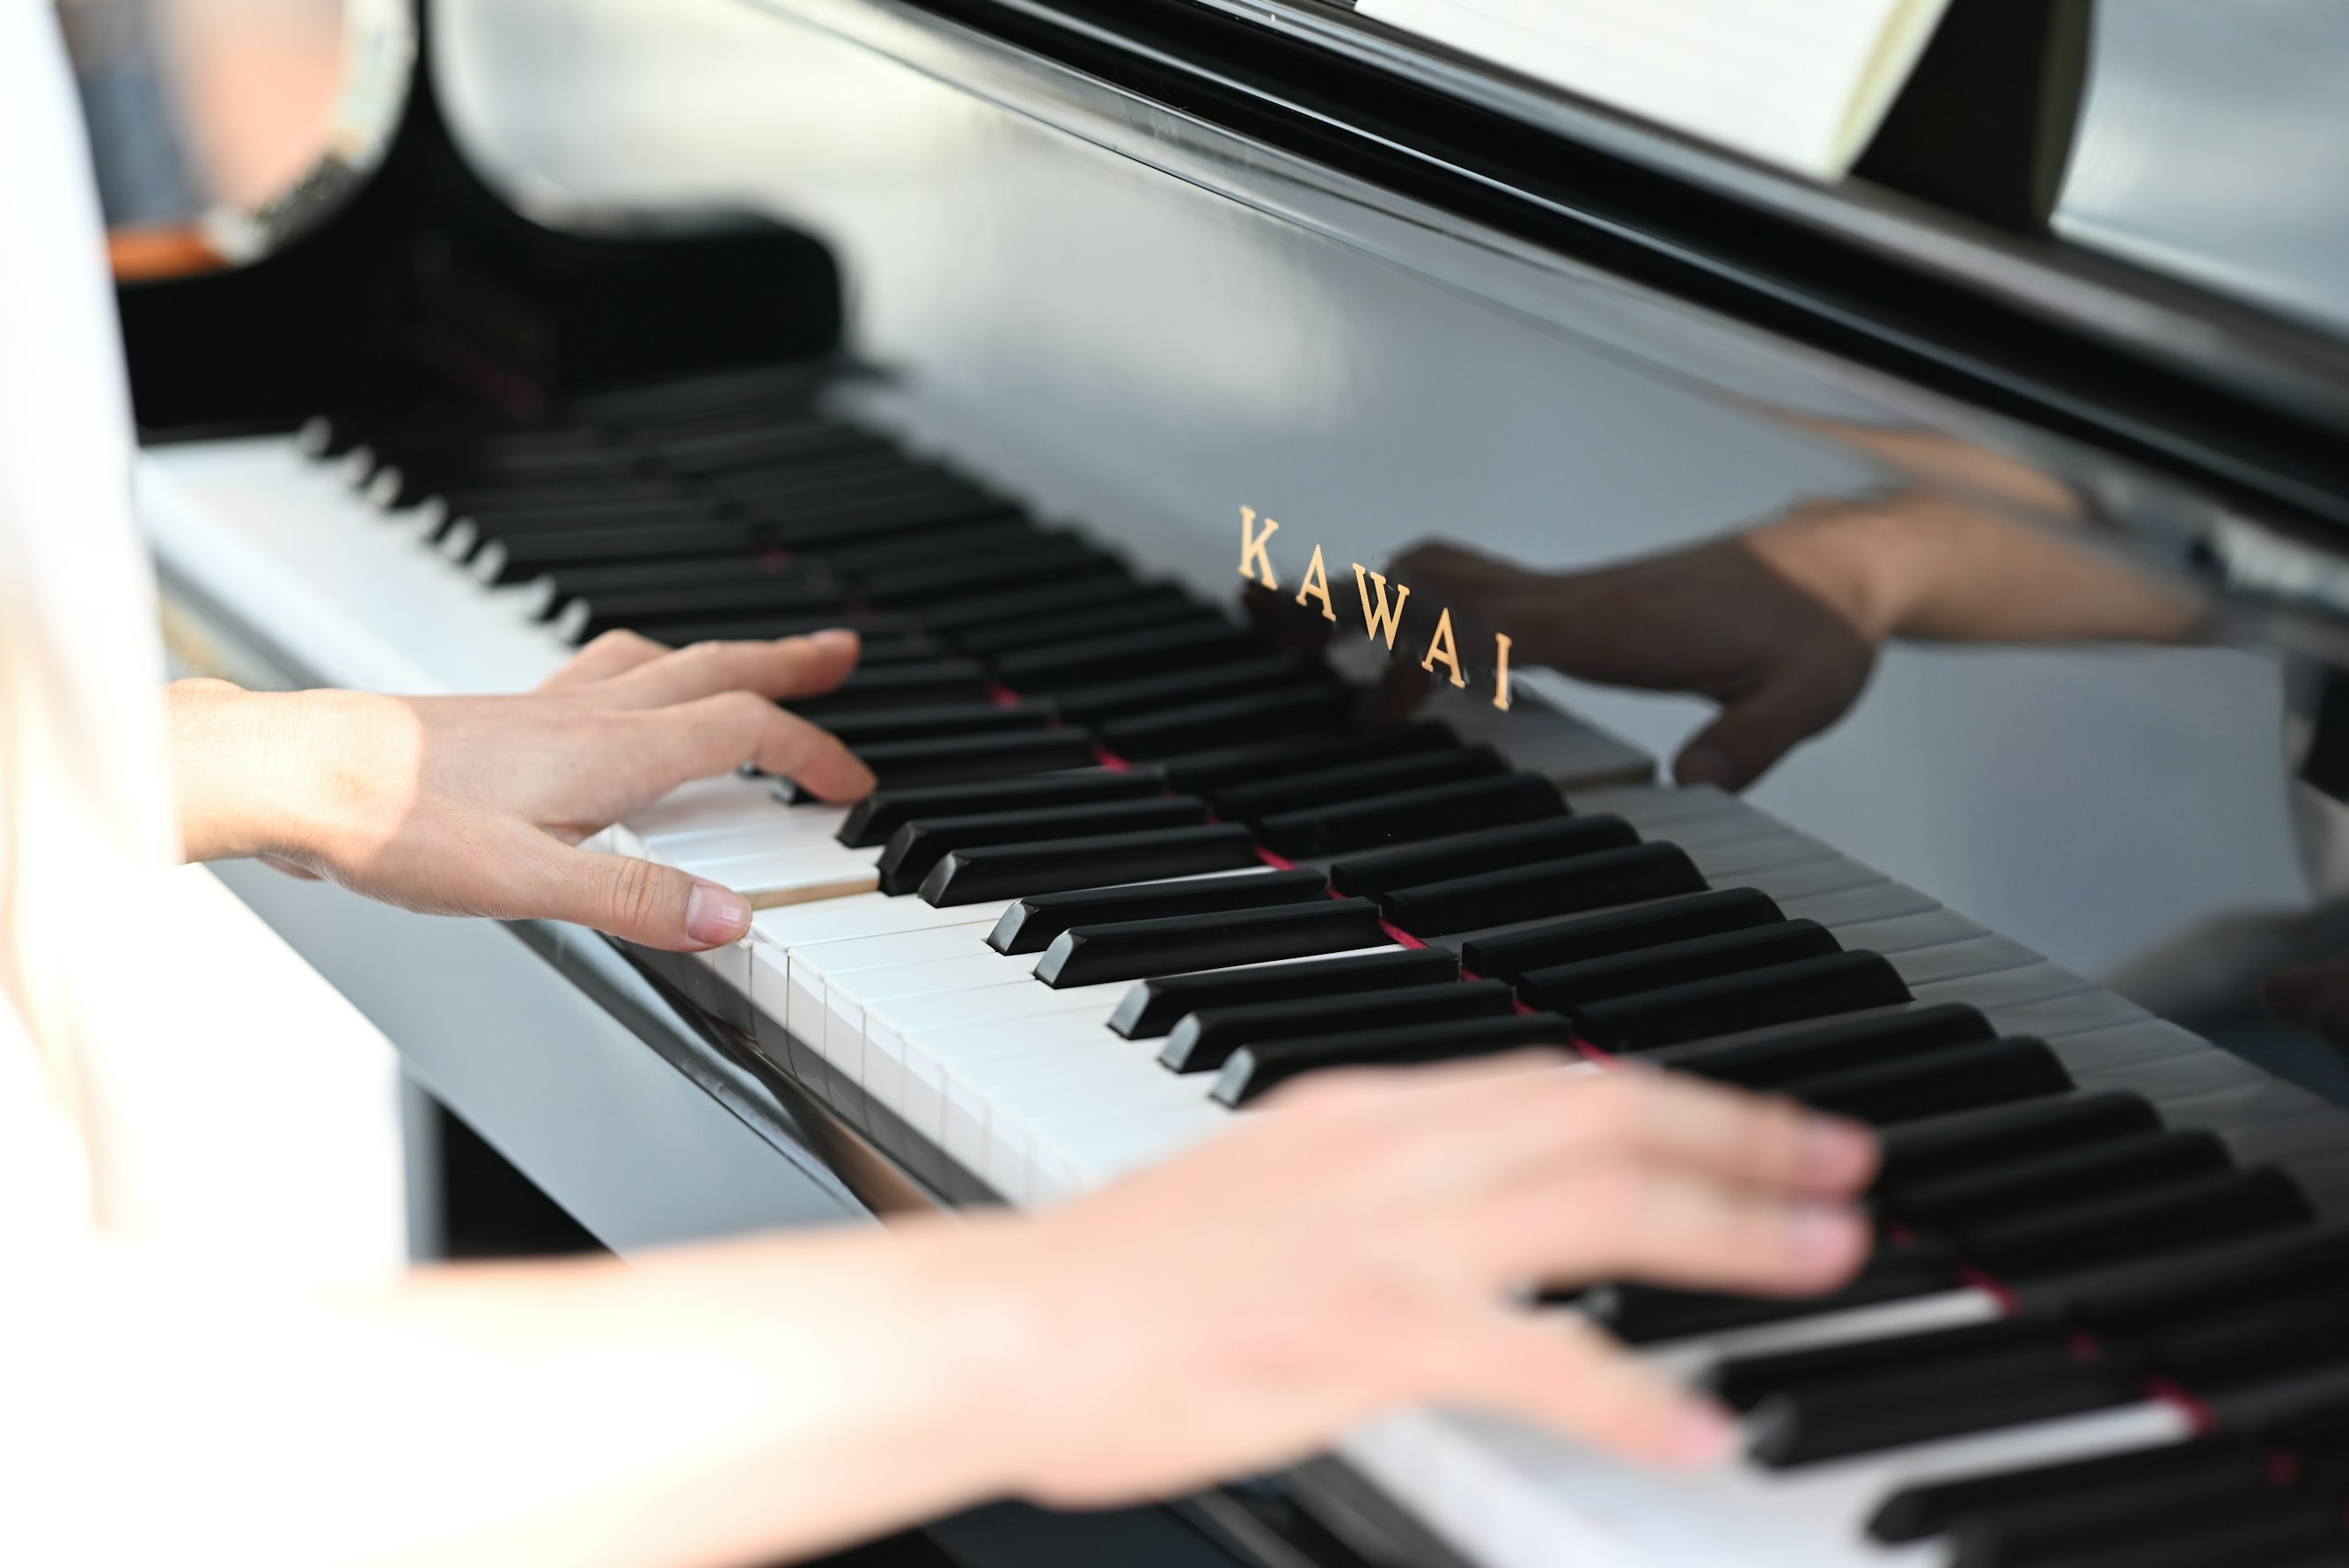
point(1565, 1375)
point(786, 669)
point(635, 900)
point(615, 652)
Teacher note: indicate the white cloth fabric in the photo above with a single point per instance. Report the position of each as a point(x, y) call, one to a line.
point(84, 818)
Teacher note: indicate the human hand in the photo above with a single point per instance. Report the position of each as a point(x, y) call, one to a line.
point(2312, 996)
point(474, 805)
point(1362, 1245)
point(1727, 620)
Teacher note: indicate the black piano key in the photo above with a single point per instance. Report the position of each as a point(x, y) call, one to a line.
point(1839, 1420)
point(615, 609)
point(1409, 815)
point(1983, 1139)
point(919, 844)
point(1455, 855)
point(1026, 605)
point(980, 539)
point(1181, 688)
point(812, 444)
point(1156, 1006)
point(2132, 1527)
point(1163, 605)
point(1800, 1050)
point(507, 522)
point(858, 523)
point(1205, 1040)
point(1603, 878)
point(1650, 1315)
point(1134, 949)
point(1810, 988)
point(1030, 925)
point(2114, 1230)
point(2070, 1176)
point(751, 570)
point(988, 872)
point(1230, 721)
point(1210, 772)
point(1092, 662)
point(945, 680)
point(527, 556)
point(2218, 1465)
point(787, 385)
point(872, 820)
point(2257, 1344)
point(1963, 1078)
point(912, 587)
point(1254, 1071)
point(865, 727)
point(1742, 1382)
point(1355, 780)
point(2153, 1298)
point(1606, 933)
point(1565, 986)
point(964, 758)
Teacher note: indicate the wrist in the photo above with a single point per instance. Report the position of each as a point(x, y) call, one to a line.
point(1856, 560)
point(252, 770)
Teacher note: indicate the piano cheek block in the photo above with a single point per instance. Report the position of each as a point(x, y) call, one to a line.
point(1813, 988)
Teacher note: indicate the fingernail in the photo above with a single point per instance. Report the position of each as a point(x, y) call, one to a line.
point(1703, 764)
point(1836, 1152)
point(1703, 1434)
point(837, 637)
point(715, 915)
point(1824, 1234)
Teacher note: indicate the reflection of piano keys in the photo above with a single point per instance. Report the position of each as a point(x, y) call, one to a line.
point(930, 969)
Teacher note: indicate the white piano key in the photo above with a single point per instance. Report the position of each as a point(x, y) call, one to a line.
point(1863, 905)
point(727, 800)
point(1691, 1358)
point(862, 914)
point(841, 1029)
point(936, 1060)
point(2072, 1014)
point(1726, 862)
point(783, 829)
point(1960, 960)
point(813, 964)
point(1733, 822)
point(2040, 982)
point(1099, 1150)
point(1810, 878)
point(1901, 933)
point(795, 876)
point(2122, 1044)
point(1641, 804)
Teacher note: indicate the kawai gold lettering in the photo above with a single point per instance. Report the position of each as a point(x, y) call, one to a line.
point(1316, 587)
point(1382, 619)
point(1255, 565)
point(1501, 646)
point(1442, 650)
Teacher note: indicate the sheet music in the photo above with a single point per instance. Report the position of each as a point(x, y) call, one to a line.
point(1803, 85)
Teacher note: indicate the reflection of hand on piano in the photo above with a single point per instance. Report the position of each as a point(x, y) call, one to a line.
point(474, 805)
point(1718, 620)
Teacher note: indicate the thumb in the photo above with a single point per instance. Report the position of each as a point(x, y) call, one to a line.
point(1754, 731)
point(635, 900)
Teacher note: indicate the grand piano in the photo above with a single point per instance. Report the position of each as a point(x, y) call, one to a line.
point(1002, 330)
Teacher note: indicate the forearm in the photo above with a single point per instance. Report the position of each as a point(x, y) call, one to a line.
point(710, 1408)
point(1924, 567)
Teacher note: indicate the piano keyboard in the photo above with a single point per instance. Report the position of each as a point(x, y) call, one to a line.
point(1128, 867)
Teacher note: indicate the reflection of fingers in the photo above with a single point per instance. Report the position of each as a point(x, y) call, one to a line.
point(1401, 687)
point(718, 734)
point(1558, 1372)
point(794, 667)
point(2314, 997)
point(615, 652)
point(1754, 732)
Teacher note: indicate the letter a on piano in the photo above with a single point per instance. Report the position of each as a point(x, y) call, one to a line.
point(1255, 565)
point(1381, 619)
point(1316, 587)
point(1442, 649)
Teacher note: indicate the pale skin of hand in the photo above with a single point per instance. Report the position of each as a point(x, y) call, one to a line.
point(1358, 1247)
point(472, 805)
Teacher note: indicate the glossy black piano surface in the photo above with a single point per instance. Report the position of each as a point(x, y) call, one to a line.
point(1046, 312)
